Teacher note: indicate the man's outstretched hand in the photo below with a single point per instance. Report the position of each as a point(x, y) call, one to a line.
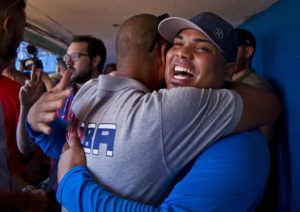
point(44, 110)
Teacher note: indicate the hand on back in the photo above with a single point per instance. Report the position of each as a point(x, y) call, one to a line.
point(72, 155)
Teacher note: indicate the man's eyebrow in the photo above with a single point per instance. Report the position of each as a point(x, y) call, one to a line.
point(195, 39)
point(202, 40)
point(178, 37)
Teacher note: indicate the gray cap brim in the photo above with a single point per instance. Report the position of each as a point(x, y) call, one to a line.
point(170, 27)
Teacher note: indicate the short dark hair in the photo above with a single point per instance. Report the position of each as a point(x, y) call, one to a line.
point(95, 47)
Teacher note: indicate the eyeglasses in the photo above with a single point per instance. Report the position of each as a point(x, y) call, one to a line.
point(23, 5)
point(74, 56)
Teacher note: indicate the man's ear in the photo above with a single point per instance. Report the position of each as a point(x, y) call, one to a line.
point(163, 53)
point(6, 24)
point(249, 51)
point(96, 61)
point(229, 71)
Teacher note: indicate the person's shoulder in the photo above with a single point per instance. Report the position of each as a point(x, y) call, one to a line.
point(258, 81)
point(192, 93)
point(88, 87)
point(193, 101)
point(92, 82)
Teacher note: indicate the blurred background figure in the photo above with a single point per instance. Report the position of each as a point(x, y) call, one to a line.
point(61, 67)
point(245, 72)
point(12, 23)
point(110, 69)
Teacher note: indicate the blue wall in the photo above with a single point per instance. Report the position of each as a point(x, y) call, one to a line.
point(277, 58)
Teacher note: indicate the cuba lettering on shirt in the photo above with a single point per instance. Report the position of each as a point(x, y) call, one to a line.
point(92, 135)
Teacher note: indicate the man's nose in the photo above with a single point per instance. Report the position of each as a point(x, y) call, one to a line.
point(184, 52)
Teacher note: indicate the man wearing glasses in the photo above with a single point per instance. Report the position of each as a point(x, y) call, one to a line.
point(85, 59)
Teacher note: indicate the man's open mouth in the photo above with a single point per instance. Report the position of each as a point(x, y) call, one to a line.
point(182, 73)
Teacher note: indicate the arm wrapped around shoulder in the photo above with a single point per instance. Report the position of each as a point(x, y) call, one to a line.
point(259, 107)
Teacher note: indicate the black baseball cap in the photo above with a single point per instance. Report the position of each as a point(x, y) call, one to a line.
point(245, 37)
point(218, 31)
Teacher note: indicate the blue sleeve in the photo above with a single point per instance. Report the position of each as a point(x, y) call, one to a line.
point(78, 191)
point(51, 144)
point(229, 176)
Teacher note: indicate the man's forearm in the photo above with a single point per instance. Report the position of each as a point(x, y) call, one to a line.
point(51, 144)
point(24, 142)
point(259, 107)
point(87, 195)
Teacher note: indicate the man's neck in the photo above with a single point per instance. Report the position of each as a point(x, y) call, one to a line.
point(136, 74)
point(94, 74)
point(239, 74)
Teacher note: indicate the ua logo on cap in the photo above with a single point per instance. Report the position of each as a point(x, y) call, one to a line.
point(218, 33)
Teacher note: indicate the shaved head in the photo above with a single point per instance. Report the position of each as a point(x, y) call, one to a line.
point(141, 51)
point(136, 35)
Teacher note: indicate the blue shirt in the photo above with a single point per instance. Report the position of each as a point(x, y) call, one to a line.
point(52, 144)
point(229, 176)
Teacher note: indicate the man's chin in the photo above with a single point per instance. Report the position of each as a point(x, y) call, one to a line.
point(181, 83)
point(79, 80)
point(176, 85)
point(73, 77)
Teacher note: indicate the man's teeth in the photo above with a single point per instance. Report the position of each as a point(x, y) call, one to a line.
point(182, 73)
point(181, 77)
point(182, 69)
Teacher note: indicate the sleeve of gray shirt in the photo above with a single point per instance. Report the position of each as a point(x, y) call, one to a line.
point(192, 119)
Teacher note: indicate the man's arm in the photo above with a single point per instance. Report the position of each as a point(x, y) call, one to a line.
point(29, 93)
point(44, 125)
point(51, 144)
point(24, 142)
point(226, 177)
point(92, 197)
point(259, 107)
point(44, 110)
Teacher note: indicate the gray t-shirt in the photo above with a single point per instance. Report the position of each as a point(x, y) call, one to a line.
point(136, 141)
